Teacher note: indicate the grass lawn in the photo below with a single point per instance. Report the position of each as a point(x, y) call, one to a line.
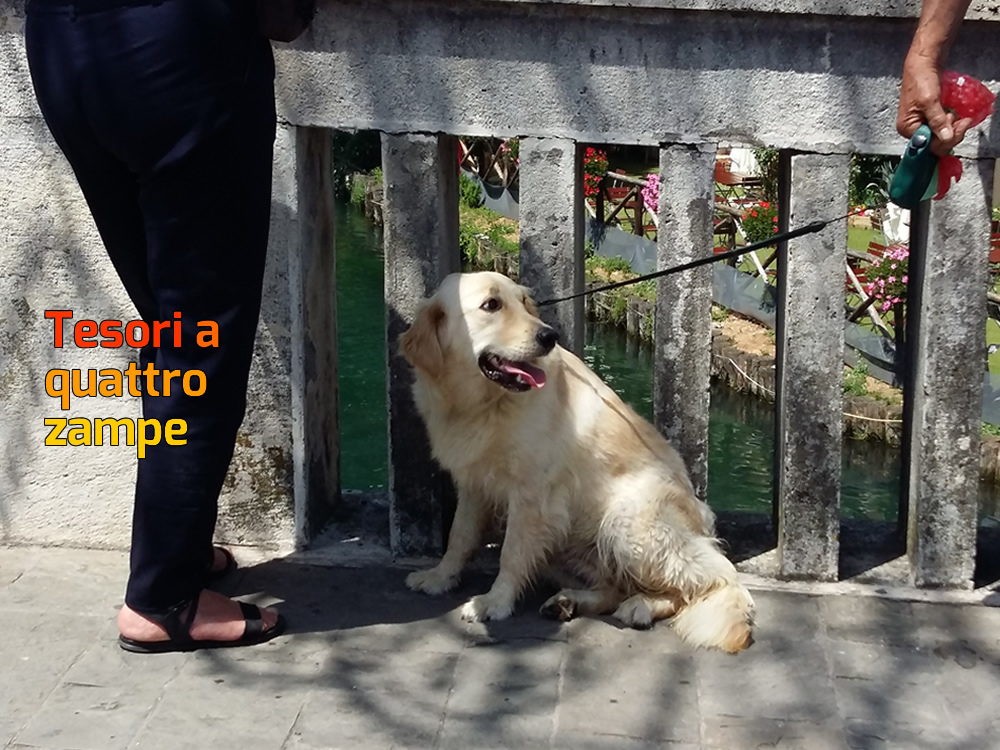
point(858, 238)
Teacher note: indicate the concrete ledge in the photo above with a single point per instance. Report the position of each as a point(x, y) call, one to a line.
point(980, 10)
point(616, 73)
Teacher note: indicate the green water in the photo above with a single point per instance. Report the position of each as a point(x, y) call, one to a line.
point(741, 442)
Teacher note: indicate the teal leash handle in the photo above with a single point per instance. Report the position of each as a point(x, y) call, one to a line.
point(915, 179)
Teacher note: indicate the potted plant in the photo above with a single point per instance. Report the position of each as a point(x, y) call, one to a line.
point(595, 165)
point(887, 280)
point(760, 222)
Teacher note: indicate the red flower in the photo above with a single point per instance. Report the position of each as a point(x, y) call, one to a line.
point(765, 204)
point(753, 213)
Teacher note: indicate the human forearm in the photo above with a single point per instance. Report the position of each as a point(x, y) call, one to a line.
point(920, 89)
point(939, 23)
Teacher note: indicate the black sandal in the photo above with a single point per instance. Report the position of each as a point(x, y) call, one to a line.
point(215, 575)
point(179, 631)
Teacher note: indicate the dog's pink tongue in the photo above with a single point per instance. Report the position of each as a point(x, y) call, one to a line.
point(532, 375)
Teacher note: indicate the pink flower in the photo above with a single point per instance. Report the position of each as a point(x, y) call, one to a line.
point(886, 305)
point(896, 300)
point(891, 279)
point(881, 283)
point(905, 279)
point(893, 265)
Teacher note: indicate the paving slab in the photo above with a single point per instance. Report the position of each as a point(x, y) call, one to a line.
point(607, 691)
point(505, 694)
point(215, 703)
point(36, 650)
point(368, 664)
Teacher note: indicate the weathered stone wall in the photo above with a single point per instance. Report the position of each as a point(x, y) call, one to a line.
point(51, 257)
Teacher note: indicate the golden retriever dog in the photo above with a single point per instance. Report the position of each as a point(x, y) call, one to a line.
point(584, 484)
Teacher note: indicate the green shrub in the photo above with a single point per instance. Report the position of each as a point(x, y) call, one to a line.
point(618, 309)
point(469, 192)
point(855, 380)
point(359, 186)
point(497, 235)
point(468, 241)
point(609, 265)
point(869, 179)
point(767, 164)
point(644, 289)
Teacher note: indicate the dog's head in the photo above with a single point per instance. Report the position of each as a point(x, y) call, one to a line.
point(480, 325)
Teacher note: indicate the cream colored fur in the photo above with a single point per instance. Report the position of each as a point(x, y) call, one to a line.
point(583, 482)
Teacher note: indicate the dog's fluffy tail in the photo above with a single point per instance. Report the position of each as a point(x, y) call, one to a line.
point(722, 618)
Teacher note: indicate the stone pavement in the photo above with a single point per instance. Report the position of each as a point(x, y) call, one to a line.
point(368, 664)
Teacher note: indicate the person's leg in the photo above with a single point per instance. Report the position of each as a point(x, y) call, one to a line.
point(166, 112)
point(56, 60)
point(207, 216)
point(112, 195)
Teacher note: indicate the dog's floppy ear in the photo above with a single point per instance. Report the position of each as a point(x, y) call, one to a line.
point(420, 344)
point(529, 302)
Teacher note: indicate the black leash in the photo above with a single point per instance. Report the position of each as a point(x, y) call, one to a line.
point(812, 228)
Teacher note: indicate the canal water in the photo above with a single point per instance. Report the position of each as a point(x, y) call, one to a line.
point(741, 441)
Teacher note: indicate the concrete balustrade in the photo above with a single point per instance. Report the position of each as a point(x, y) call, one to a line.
point(687, 76)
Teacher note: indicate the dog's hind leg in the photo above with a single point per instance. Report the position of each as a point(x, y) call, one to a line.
point(570, 603)
point(463, 540)
point(641, 610)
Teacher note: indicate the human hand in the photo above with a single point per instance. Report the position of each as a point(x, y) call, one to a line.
point(920, 102)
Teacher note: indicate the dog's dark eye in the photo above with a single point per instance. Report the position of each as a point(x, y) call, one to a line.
point(491, 305)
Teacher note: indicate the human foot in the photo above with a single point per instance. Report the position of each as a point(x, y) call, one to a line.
point(217, 621)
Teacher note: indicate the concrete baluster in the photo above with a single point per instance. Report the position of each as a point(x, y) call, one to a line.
point(947, 308)
point(302, 237)
point(551, 231)
point(683, 321)
point(810, 348)
point(420, 178)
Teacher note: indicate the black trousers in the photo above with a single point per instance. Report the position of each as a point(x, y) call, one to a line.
point(165, 111)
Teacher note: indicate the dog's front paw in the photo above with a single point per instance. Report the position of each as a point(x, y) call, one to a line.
point(431, 581)
point(486, 607)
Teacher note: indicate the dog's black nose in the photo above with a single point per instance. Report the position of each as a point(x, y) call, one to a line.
point(547, 338)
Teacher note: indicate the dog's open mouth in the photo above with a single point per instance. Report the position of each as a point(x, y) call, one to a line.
point(514, 376)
